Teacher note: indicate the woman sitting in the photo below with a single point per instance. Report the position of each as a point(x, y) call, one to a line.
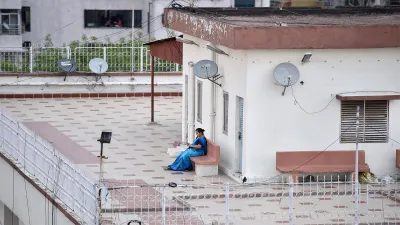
point(197, 148)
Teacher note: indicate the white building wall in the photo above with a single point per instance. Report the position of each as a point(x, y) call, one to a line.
point(10, 4)
point(233, 69)
point(8, 41)
point(276, 123)
point(25, 195)
point(64, 20)
point(273, 122)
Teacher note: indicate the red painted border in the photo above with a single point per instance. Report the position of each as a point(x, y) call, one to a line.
point(89, 74)
point(90, 95)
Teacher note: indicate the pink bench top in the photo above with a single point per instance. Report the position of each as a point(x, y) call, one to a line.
point(212, 157)
point(325, 162)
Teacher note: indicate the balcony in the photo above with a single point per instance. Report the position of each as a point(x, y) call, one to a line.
point(10, 29)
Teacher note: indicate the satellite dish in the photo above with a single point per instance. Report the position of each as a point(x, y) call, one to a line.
point(205, 69)
point(98, 66)
point(67, 65)
point(286, 74)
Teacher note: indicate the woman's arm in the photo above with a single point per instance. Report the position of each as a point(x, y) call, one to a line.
point(195, 146)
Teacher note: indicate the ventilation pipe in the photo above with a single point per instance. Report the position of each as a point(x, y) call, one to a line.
point(191, 100)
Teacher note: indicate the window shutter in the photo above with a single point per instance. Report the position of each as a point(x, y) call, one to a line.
point(373, 121)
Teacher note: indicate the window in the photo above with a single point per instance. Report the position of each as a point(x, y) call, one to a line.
point(244, 3)
point(138, 18)
point(199, 101)
point(26, 18)
point(112, 18)
point(26, 44)
point(373, 125)
point(226, 111)
point(9, 22)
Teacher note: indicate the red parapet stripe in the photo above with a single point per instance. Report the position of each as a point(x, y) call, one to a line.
point(90, 95)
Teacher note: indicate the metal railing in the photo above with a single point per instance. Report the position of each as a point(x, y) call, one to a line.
point(39, 160)
point(121, 58)
point(10, 29)
point(322, 202)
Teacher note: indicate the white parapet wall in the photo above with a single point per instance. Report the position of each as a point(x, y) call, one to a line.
point(39, 84)
point(26, 200)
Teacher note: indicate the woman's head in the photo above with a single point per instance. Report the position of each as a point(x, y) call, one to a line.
point(199, 132)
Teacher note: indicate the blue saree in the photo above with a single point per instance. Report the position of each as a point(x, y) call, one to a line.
point(182, 162)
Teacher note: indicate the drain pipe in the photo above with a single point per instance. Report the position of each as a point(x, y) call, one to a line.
point(185, 109)
point(212, 106)
point(191, 100)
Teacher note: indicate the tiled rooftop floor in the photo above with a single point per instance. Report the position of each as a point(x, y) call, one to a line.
point(137, 150)
point(137, 153)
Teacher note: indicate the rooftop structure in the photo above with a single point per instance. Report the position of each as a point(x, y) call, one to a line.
point(290, 28)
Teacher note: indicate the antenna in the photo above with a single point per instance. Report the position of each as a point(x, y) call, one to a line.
point(98, 66)
point(207, 69)
point(286, 74)
point(67, 65)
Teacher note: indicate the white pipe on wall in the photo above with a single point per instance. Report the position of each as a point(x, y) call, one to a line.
point(184, 109)
point(211, 129)
point(191, 98)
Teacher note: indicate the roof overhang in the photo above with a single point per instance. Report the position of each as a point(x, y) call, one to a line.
point(362, 96)
point(214, 28)
point(168, 49)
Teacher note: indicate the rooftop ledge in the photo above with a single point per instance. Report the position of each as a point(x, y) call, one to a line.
point(368, 95)
point(291, 28)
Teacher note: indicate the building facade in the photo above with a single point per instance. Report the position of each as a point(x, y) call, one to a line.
point(26, 22)
point(252, 120)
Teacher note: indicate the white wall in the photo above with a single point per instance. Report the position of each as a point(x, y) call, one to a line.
point(82, 84)
point(49, 16)
point(10, 4)
point(233, 69)
point(276, 123)
point(273, 122)
point(19, 195)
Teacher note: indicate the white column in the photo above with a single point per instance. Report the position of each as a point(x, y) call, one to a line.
point(191, 102)
point(184, 109)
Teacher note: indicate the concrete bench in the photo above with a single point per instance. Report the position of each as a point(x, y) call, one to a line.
point(207, 165)
point(325, 162)
point(398, 158)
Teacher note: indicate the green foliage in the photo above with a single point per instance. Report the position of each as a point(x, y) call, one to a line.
point(118, 56)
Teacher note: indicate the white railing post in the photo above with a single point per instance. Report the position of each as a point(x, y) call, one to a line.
point(227, 204)
point(105, 53)
point(141, 58)
point(291, 190)
point(31, 59)
point(68, 52)
point(176, 67)
point(163, 206)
